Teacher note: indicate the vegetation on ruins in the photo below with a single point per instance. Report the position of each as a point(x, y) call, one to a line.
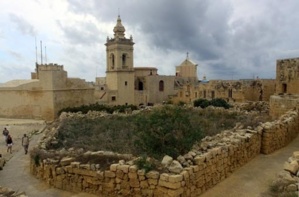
point(217, 102)
point(153, 132)
point(98, 107)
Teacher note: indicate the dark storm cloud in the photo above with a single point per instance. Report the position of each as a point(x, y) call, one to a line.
point(22, 25)
point(169, 24)
point(244, 46)
point(85, 33)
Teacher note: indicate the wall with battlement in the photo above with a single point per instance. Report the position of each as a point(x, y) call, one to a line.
point(49, 91)
point(209, 162)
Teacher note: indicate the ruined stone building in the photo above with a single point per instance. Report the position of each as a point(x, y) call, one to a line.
point(286, 95)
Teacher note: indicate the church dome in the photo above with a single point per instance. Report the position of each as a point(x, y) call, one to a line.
point(119, 29)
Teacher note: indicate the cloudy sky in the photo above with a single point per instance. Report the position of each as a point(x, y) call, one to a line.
point(228, 39)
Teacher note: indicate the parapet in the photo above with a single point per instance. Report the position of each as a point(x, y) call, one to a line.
point(49, 67)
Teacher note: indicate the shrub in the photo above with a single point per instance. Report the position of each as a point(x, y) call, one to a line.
point(218, 102)
point(166, 130)
point(97, 107)
point(145, 164)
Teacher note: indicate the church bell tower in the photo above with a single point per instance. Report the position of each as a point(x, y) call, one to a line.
point(120, 67)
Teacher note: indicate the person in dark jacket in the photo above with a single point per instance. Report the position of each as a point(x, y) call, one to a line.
point(9, 144)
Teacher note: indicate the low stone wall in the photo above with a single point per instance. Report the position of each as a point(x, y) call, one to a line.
point(209, 162)
point(279, 133)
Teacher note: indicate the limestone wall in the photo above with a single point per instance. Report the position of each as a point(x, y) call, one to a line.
point(279, 133)
point(280, 104)
point(210, 161)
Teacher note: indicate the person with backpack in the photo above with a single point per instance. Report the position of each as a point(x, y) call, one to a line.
point(9, 143)
point(25, 143)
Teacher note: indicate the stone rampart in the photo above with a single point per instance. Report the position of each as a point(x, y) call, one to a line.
point(209, 162)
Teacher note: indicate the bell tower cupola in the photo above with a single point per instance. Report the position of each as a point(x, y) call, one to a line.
point(119, 29)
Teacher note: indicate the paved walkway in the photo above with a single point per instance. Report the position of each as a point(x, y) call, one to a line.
point(16, 172)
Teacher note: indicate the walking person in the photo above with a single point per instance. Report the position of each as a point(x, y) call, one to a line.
point(5, 133)
point(25, 143)
point(9, 144)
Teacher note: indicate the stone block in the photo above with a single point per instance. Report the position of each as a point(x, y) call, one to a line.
point(66, 161)
point(291, 167)
point(113, 167)
point(199, 159)
point(164, 177)
point(144, 184)
point(175, 192)
point(133, 168)
point(152, 181)
point(132, 175)
point(175, 178)
point(153, 175)
point(169, 184)
point(109, 174)
point(124, 168)
point(134, 183)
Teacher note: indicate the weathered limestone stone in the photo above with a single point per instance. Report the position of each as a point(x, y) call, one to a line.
point(153, 174)
point(291, 167)
point(175, 192)
point(296, 155)
point(175, 167)
point(124, 168)
point(169, 184)
point(75, 164)
point(109, 174)
point(166, 161)
point(164, 177)
point(66, 161)
point(175, 178)
point(113, 167)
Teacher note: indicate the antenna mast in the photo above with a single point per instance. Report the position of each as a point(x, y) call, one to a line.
point(45, 54)
point(35, 52)
point(41, 52)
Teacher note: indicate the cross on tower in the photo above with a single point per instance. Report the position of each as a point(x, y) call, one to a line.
point(187, 55)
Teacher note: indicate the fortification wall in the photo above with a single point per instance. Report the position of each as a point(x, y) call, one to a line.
point(209, 162)
point(280, 104)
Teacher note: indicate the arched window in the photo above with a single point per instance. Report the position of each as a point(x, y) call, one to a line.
point(161, 86)
point(124, 59)
point(112, 60)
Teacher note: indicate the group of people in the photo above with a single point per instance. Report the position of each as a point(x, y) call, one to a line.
point(9, 142)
